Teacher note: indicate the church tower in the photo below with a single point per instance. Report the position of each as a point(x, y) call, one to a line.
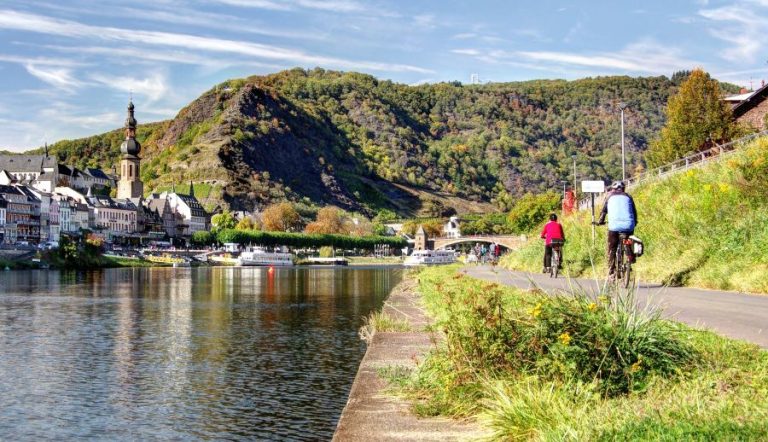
point(130, 185)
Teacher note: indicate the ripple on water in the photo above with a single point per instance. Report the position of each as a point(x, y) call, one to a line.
point(199, 354)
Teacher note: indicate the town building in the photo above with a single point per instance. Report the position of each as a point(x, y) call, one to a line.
point(40, 171)
point(114, 218)
point(70, 176)
point(750, 107)
point(452, 228)
point(22, 217)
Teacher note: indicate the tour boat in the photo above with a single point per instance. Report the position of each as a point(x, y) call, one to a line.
point(260, 257)
point(430, 257)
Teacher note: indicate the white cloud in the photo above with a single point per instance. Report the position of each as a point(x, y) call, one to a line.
point(58, 77)
point(289, 5)
point(39, 61)
point(154, 87)
point(261, 4)
point(473, 52)
point(46, 25)
point(739, 25)
point(641, 57)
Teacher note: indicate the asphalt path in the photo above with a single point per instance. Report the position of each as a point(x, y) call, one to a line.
point(736, 315)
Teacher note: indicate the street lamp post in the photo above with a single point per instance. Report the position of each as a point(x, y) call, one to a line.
point(623, 106)
point(574, 173)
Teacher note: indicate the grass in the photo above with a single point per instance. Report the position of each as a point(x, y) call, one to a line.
point(506, 361)
point(382, 322)
point(706, 227)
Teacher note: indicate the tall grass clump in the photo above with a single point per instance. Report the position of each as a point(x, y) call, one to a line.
point(606, 340)
point(705, 227)
point(537, 366)
point(381, 322)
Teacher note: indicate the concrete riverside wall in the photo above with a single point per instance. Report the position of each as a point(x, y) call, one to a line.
point(373, 415)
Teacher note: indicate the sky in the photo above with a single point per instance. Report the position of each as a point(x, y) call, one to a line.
point(68, 68)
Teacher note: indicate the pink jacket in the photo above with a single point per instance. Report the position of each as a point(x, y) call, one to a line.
point(552, 230)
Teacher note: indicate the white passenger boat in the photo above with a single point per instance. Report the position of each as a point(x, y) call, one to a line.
point(260, 257)
point(430, 257)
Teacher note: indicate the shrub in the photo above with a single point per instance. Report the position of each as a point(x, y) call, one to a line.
point(532, 210)
point(607, 340)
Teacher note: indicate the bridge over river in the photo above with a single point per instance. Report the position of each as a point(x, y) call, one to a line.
point(511, 242)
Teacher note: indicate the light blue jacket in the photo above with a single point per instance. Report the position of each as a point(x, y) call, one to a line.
point(621, 212)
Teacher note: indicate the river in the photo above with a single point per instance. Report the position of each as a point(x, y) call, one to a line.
point(181, 354)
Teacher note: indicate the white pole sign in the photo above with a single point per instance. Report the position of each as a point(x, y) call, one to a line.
point(593, 186)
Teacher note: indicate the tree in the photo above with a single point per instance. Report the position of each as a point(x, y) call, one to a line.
point(330, 220)
point(531, 210)
point(281, 217)
point(202, 238)
point(696, 118)
point(246, 224)
point(223, 220)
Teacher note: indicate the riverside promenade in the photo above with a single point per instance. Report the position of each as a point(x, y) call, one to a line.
point(736, 315)
point(373, 415)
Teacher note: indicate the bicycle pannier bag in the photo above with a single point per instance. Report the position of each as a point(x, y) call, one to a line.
point(637, 246)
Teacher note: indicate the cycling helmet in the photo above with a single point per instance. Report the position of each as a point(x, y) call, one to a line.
point(617, 185)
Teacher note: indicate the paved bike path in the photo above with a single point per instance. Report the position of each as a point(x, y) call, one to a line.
point(736, 315)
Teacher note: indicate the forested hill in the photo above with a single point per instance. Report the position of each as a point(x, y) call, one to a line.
point(364, 144)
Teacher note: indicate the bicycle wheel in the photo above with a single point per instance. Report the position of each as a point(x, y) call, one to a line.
point(555, 263)
point(618, 264)
point(627, 274)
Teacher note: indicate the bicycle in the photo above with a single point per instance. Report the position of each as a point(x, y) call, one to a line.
point(554, 265)
point(622, 263)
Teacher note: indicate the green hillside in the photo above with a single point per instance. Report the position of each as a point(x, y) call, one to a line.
point(339, 138)
point(706, 227)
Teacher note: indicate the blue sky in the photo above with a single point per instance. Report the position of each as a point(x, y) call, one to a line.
point(67, 67)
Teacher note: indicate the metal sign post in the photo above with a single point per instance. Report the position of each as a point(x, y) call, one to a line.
point(593, 187)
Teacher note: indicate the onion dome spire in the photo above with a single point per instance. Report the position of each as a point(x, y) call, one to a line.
point(130, 146)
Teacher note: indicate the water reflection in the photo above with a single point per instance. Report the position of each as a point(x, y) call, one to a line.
point(181, 353)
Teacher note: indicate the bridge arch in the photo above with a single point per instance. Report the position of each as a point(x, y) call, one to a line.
point(507, 241)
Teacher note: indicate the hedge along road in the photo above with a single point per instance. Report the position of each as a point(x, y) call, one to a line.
point(736, 315)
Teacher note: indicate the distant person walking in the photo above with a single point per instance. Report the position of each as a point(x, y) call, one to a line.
point(552, 230)
point(620, 210)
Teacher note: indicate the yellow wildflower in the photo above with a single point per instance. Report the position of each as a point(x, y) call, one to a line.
point(592, 306)
point(724, 187)
point(564, 338)
point(707, 187)
point(535, 311)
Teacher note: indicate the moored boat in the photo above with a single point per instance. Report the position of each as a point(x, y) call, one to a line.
point(430, 257)
point(260, 257)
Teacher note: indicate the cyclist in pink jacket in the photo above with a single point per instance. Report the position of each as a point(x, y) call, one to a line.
point(552, 230)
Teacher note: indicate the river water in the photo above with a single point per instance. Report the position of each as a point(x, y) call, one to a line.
point(182, 354)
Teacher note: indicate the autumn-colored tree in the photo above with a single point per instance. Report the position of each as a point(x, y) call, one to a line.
point(358, 226)
point(697, 117)
point(329, 220)
point(246, 223)
point(281, 217)
point(432, 227)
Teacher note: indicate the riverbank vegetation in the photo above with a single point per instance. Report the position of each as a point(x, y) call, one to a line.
point(706, 227)
point(533, 366)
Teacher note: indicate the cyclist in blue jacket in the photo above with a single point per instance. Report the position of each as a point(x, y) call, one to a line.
point(622, 218)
